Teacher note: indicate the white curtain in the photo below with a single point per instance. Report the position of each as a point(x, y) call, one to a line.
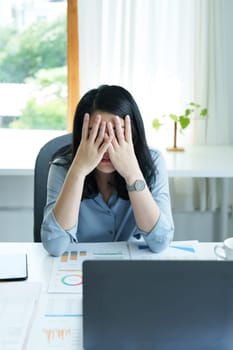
point(211, 70)
point(143, 45)
point(166, 53)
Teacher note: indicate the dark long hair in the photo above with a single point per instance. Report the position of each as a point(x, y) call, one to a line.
point(118, 101)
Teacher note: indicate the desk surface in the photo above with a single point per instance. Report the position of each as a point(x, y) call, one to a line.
point(201, 161)
point(39, 262)
point(39, 267)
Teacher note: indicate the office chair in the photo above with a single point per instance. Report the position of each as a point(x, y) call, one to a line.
point(41, 171)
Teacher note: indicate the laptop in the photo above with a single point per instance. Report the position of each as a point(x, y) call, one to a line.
point(157, 305)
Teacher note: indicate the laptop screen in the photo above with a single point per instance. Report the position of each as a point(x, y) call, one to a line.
point(164, 305)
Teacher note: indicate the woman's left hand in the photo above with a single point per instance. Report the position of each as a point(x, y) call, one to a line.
point(121, 149)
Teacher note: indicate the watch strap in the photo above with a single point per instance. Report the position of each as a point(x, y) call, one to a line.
point(137, 186)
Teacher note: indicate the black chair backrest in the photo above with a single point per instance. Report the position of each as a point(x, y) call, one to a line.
point(41, 171)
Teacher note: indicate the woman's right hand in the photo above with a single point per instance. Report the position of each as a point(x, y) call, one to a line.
point(94, 143)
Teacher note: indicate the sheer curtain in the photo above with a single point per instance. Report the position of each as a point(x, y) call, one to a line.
point(211, 71)
point(166, 53)
point(144, 45)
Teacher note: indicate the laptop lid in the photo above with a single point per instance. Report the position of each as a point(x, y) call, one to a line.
point(164, 305)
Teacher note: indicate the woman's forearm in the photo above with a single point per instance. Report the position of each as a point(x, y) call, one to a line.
point(145, 209)
point(67, 206)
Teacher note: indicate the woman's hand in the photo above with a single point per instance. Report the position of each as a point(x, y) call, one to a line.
point(121, 149)
point(94, 143)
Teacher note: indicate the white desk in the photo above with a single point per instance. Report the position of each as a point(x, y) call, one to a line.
point(201, 161)
point(205, 162)
point(40, 264)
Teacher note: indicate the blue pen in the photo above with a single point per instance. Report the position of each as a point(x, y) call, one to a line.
point(143, 246)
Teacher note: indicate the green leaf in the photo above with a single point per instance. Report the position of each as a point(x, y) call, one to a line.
point(196, 105)
point(188, 111)
point(185, 118)
point(184, 122)
point(156, 124)
point(174, 117)
point(203, 112)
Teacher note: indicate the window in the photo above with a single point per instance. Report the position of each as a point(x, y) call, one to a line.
point(33, 64)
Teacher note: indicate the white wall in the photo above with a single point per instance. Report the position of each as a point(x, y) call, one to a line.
point(16, 208)
point(18, 150)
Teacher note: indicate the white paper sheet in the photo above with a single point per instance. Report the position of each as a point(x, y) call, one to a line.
point(17, 306)
point(177, 250)
point(66, 274)
point(58, 323)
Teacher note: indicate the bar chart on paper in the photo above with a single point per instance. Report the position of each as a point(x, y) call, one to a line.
point(60, 337)
point(58, 323)
point(66, 276)
point(67, 273)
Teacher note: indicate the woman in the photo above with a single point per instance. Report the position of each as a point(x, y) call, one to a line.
point(111, 187)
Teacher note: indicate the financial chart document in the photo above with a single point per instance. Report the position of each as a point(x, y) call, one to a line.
point(66, 275)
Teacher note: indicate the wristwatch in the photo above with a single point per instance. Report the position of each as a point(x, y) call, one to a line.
point(137, 186)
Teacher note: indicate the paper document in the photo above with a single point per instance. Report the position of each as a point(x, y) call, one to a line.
point(17, 306)
point(58, 323)
point(177, 250)
point(66, 273)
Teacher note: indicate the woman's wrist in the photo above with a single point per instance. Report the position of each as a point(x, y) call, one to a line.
point(78, 172)
point(132, 177)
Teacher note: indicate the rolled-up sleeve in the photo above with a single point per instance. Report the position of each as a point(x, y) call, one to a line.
point(162, 233)
point(54, 238)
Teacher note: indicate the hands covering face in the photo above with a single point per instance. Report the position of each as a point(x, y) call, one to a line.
point(106, 135)
point(121, 149)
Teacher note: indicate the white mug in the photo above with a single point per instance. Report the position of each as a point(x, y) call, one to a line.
point(225, 249)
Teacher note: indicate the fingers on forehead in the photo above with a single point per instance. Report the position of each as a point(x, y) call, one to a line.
point(85, 124)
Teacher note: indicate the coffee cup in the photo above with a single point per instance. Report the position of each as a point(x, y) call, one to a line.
point(225, 250)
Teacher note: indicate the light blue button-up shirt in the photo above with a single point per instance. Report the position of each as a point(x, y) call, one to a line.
point(99, 221)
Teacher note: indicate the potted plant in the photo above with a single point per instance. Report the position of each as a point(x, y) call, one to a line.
point(182, 120)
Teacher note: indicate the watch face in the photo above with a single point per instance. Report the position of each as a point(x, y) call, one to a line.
point(139, 185)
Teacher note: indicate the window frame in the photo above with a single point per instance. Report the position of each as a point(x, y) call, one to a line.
point(73, 79)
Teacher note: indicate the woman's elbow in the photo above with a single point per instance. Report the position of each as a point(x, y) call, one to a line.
point(160, 240)
point(56, 246)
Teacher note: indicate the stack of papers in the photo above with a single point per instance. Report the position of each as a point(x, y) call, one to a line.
point(17, 305)
point(58, 321)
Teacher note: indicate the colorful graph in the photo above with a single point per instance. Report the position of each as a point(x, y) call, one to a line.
point(66, 276)
point(179, 247)
point(187, 249)
point(55, 336)
point(72, 280)
point(72, 256)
